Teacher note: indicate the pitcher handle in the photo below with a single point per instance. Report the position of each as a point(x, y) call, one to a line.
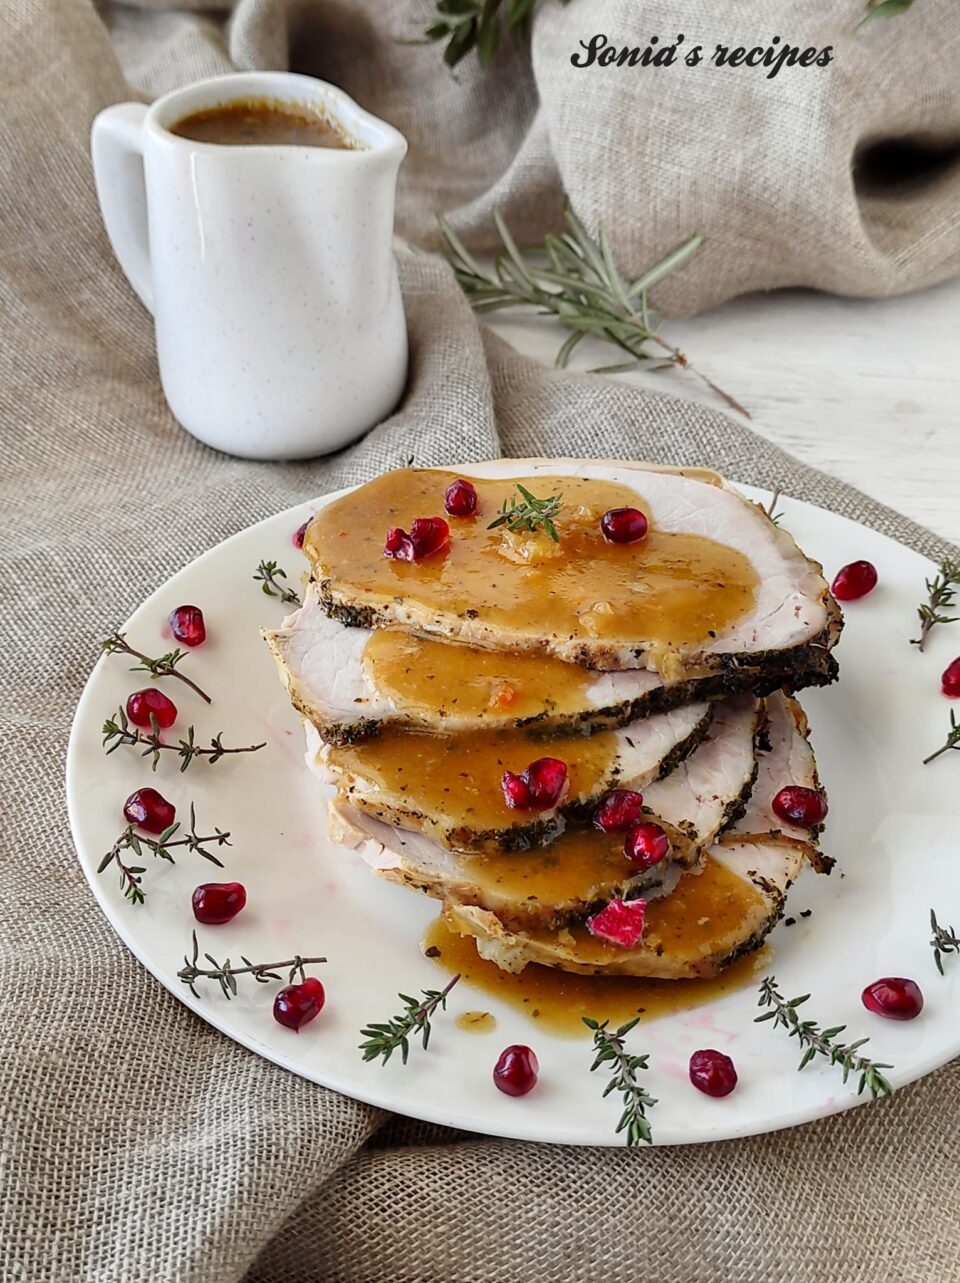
point(116, 145)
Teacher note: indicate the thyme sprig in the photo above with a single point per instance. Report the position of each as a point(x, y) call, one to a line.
point(529, 513)
point(578, 284)
point(883, 9)
point(469, 25)
point(943, 940)
point(268, 576)
point(117, 733)
point(822, 1042)
point(225, 973)
point(162, 666)
point(131, 876)
point(384, 1039)
point(940, 598)
point(771, 508)
point(611, 1050)
point(952, 740)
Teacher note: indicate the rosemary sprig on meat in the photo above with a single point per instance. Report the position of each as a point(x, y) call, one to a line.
point(611, 1050)
point(529, 513)
point(384, 1039)
point(822, 1042)
point(131, 876)
point(162, 666)
point(468, 25)
point(268, 576)
point(883, 9)
point(944, 940)
point(118, 733)
point(225, 973)
point(579, 284)
point(952, 740)
point(940, 598)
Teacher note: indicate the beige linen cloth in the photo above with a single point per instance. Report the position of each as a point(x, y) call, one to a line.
point(137, 1143)
point(781, 175)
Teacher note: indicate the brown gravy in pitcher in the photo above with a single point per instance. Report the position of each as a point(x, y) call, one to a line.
point(255, 122)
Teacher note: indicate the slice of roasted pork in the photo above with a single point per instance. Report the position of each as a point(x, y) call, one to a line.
point(351, 683)
point(582, 869)
point(451, 787)
point(715, 914)
point(714, 586)
point(785, 759)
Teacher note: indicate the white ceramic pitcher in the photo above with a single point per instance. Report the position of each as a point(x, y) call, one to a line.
point(269, 269)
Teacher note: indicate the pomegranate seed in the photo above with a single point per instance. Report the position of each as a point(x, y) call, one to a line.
point(713, 1073)
point(618, 810)
point(803, 808)
point(188, 626)
point(516, 1070)
point(646, 844)
point(537, 788)
point(623, 525)
point(854, 581)
point(149, 810)
point(296, 1005)
point(461, 499)
point(427, 536)
point(217, 902)
point(300, 534)
point(894, 998)
point(620, 922)
point(142, 705)
point(950, 681)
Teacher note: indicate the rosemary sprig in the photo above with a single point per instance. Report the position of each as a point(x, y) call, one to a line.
point(952, 740)
point(469, 25)
point(940, 598)
point(163, 666)
point(578, 284)
point(943, 940)
point(269, 575)
point(384, 1039)
point(131, 876)
point(225, 973)
point(528, 513)
point(118, 733)
point(822, 1042)
point(883, 9)
point(611, 1050)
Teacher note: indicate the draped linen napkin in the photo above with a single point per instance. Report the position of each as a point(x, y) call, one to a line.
point(137, 1142)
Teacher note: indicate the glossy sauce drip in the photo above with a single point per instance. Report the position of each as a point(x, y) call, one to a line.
point(476, 1022)
point(669, 589)
point(580, 866)
point(457, 778)
point(442, 680)
point(262, 121)
point(557, 1000)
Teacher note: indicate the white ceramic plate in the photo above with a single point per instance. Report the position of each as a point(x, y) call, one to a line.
point(892, 828)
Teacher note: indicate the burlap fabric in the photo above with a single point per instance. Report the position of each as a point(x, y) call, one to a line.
point(139, 1144)
point(776, 173)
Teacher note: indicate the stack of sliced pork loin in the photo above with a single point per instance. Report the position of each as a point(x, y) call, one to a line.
point(558, 696)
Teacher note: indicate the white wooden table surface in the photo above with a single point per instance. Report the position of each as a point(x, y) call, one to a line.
point(866, 390)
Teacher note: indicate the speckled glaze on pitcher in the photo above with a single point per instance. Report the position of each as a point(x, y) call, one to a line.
point(269, 269)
